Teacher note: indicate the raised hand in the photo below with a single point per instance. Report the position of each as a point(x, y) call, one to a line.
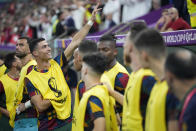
point(95, 11)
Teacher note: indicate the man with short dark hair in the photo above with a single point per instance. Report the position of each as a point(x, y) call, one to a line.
point(161, 104)
point(46, 85)
point(181, 78)
point(139, 86)
point(58, 27)
point(86, 47)
point(8, 86)
point(24, 111)
point(95, 96)
point(117, 74)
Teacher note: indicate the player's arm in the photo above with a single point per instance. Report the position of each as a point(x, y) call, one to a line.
point(99, 124)
point(39, 103)
point(80, 35)
point(116, 95)
point(96, 112)
point(36, 97)
point(5, 112)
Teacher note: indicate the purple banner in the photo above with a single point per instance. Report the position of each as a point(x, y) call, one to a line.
point(174, 38)
point(180, 38)
point(7, 47)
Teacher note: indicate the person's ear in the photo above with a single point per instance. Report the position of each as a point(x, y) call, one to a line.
point(145, 56)
point(115, 52)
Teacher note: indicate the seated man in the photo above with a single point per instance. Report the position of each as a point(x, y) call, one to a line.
point(162, 20)
point(176, 23)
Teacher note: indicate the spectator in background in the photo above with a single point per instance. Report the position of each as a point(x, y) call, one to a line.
point(45, 28)
point(34, 23)
point(162, 20)
point(69, 21)
point(191, 4)
point(175, 22)
point(181, 6)
point(78, 14)
point(109, 21)
point(135, 8)
point(112, 7)
point(95, 27)
point(59, 29)
point(181, 78)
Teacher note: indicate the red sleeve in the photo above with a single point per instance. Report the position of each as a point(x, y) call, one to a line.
point(180, 24)
point(1, 88)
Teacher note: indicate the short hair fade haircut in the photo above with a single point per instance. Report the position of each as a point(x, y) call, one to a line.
point(151, 41)
point(87, 46)
point(96, 61)
point(136, 27)
point(109, 37)
point(9, 59)
point(34, 43)
point(26, 38)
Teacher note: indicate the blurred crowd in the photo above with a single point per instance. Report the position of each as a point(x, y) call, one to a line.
point(52, 18)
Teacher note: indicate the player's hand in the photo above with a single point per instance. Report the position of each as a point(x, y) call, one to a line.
point(21, 107)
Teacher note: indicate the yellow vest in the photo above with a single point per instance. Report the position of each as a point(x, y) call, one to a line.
point(156, 108)
point(132, 118)
point(20, 88)
point(77, 101)
point(54, 26)
point(192, 11)
point(10, 87)
point(23, 73)
point(2, 69)
point(111, 74)
point(101, 92)
point(52, 86)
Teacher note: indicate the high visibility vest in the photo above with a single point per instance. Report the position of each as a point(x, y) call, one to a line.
point(10, 87)
point(101, 92)
point(132, 118)
point(192, 11)
point(52, 86)
point(156, 108)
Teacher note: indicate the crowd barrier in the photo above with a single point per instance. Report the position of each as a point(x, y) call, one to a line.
point(173, 38)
